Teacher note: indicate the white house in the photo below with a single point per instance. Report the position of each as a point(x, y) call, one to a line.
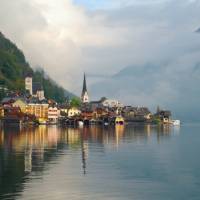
point(73, 112)
point(111, 103)
point(53, 114)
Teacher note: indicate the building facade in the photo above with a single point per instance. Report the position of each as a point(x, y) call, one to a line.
point(73, 112)
point(40, 95)
point(29, 84)
point(40, 110)
point(112, 103)
point(1, 112)
point(35, 89)
point(53, 114)
point(22, 104)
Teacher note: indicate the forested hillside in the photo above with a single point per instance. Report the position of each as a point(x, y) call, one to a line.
point(14, 67)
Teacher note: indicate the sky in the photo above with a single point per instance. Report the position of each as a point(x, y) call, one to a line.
point(143, 52)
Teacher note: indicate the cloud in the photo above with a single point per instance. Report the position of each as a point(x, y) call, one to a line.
point(58, 35)
point(68, 37)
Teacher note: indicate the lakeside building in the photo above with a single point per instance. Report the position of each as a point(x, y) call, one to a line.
point(112, 103)
point(13, 115)
point(30, 107)
point(21, 103)
point(84, 94)
point(63, 109)
point(1, 112)
point(53, 114)
point(69, 111)
point(74, 111)
point(35, 89)
point(93, 105)
point(35, 107)
point(103, 103)
point(38, 108)
point(164, 116)
point(8, 101)
point(136, 114)
point(38, 91)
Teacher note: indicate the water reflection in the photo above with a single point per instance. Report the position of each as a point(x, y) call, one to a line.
point(26, 152)
point(39, 140)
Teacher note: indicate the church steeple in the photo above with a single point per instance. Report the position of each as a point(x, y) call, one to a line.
point(84, 85)
point(84, 95)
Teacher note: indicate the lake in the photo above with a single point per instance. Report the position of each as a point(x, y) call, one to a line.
point(98, 163)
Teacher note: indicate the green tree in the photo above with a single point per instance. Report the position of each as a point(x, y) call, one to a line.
point(75, 102)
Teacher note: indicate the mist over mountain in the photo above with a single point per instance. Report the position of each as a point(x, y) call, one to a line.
point(14, 67)
point(198, 30)
point(163, 84)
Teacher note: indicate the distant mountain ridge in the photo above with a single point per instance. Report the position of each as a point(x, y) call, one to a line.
point(165, 84)
point(198, 30)
point(136, 70)
point(14, 67)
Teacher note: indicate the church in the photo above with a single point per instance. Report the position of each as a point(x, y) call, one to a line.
point(84, 95)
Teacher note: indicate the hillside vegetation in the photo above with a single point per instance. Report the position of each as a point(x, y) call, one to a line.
point(13, 67)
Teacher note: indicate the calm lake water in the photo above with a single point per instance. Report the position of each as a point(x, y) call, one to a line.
point(125, 163)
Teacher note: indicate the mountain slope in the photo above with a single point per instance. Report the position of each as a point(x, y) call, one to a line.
point(13, 67)
point(198, 30)
point(172, 86)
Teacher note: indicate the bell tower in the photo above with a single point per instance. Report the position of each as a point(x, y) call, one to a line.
point(29, 84)
point(84, 95)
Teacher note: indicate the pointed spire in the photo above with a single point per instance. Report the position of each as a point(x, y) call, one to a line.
point(84, 85)
point(84, 95)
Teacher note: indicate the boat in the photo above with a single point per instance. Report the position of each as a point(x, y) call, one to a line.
point(42, 121)
point(80, 123)
point(119, 120)
point(106, 123)
point(92, 122)
point(52, 122)
point(176, 122)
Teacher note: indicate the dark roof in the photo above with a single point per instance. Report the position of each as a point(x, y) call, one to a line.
point(96, 102)
point(137, 110)
point(35, 100)
point(165, 113)
point(7, 100)
point(28, 74)
point(37, 87)
point(13, 99)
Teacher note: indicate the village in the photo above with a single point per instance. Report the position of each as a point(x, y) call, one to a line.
point(32, 108)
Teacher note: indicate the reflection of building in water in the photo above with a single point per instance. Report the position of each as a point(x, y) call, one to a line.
point(119, 132)
point(84, 154)
point(84, 149)
point(163, 130)
point(30, 141)
point(28, 160)
point(1, 137)
point(176, 130)
point(34, 141)
point(72, 136)
point(141, 132)
point(148, 129)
